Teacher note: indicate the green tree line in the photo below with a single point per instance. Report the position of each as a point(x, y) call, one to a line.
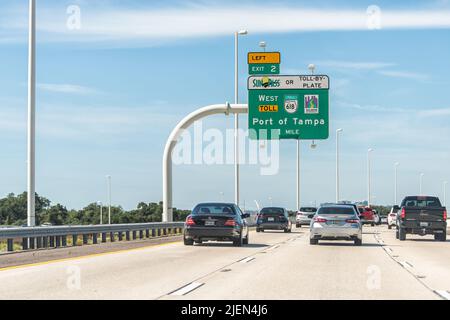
point(13, 212)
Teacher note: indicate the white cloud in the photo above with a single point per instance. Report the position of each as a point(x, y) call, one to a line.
point(405, 75)
point(355, 65)
point(66, 88)
point(167, 24)
point(435, 112)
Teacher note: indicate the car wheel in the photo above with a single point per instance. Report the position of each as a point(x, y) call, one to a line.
point(389, 227)
point(246, 240)
point(373, 224)
point(402, 234)
point(298, 225)
point(441, 236)
point(358, 242)
point(313, 241)
point(238, 242)
point(286, 230)
point(198, 242)
point(188, 242)
point(396, 233)
point(258, 230)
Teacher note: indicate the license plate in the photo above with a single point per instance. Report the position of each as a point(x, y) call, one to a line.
point(424, 224)
point(210, 223)
point(271, 219)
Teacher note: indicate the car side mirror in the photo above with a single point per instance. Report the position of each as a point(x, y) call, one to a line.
point(246, 216)
point(396, 208)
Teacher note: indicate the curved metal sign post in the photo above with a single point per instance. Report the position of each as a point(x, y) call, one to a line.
point(172, 141)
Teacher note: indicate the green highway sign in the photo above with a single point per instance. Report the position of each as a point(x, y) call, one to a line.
point(289, 107)
point(260, 69)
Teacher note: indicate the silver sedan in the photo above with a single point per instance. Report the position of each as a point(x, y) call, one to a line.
point(336, 222)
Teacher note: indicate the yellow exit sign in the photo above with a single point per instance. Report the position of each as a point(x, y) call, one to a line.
point(264, 58)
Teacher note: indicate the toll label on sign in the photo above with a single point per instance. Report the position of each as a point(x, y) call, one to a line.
point(268, 108)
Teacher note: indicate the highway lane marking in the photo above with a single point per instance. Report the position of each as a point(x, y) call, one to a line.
point(272, 248)
point(406, 264)
point(408, 267)
point(247, 260)
point(37, 264)
point(443, 293)
point(227, 267)
point(186, 289)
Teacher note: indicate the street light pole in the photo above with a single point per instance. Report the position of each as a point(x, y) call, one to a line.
point(31, 150)
point(395, 182)
point(100, 204)
point(236, 116)
point(108, 178)
point(369, 151)
point(338, 131)
point(298, 174)
point(445, 193)
point(421, 182)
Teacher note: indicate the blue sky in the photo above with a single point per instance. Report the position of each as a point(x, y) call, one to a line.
point(110, 93)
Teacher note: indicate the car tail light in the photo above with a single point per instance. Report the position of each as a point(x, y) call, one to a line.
point(320, 220)
point(352, 221)
point(445, 215)
point(230, 223)
point(190, 221)
point(403, 214)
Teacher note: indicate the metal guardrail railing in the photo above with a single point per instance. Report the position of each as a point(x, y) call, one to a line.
point(56, 236)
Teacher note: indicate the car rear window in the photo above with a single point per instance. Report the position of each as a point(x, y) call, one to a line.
point(272, 211)
point(308, 209)
point(422, 202)
point(336, 210)
point(214, 209)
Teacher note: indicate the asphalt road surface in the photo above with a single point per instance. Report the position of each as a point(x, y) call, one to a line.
point(275, 265)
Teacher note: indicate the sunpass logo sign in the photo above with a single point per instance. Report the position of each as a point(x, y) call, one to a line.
point(266, 82)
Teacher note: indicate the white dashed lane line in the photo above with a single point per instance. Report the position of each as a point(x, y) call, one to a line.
point(247, 260)
point(187, 289)
point(443, 293)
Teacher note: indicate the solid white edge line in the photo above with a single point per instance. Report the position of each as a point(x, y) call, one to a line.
point(187, 289)
point(443, 293)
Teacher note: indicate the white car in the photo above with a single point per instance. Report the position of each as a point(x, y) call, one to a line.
point(304, 216)
point(392, 217)
point(336, 222)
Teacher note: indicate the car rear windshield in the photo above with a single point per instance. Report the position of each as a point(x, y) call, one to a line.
point(272, 211)
point(214, 209)
point(308, 209)
point(422, 202)
point(336, 210)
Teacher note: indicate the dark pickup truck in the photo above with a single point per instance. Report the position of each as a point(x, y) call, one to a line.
point(422, 215)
